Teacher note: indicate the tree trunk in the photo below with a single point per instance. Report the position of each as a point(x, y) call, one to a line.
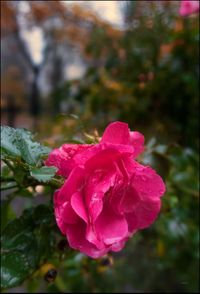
point(35, 95)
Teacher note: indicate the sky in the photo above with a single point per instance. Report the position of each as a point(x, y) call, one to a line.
point(108, 10)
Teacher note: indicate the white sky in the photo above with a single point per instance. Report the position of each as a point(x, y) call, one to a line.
point(35, 43)
point(108, 10)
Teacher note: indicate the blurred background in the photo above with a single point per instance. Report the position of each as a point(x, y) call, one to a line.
point(70, 67)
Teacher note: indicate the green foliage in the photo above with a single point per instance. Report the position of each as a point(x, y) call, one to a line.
point(26, 243)
point(19, 143)
point(43, 174)
point(23, 157)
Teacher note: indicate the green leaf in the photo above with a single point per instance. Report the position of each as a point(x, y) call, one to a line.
point(184, 170)
point(14, 269)
point(8, 141)
point(43, 174)
point(19, 175)
point(4, 209)
point(6, 212)
point(159, 162)
point(42, 214)
point(26, 242)
point(19, 143)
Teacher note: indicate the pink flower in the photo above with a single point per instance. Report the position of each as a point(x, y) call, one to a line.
point(188, 7)
point(107, 195)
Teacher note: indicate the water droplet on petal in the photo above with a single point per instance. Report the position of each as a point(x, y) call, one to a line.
point(144, 178)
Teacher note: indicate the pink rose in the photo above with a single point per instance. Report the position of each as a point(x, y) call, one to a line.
point(188, 7)
point(107, 195)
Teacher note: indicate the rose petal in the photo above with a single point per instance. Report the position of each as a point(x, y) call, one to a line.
point(119, 133)
point(111, 227)
point(124, 199)
point(118, 245)
point(147, 183)
point(63, 157)
point(64, 213)
point(99, 182)
point(116, 133)
point(102, 158)
point(77, 203)
point(92, 237)
point(76, 238)
point(74, 182)
point(83, 157)
point(144, 214)
point(137, 141)
point(129, 200)
point(95, 206)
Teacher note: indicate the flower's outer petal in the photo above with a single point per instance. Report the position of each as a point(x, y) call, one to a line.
point(123, 199)
point(92, 237)
point(116, 133)
point(72, 184)
point(118, 245)
point(64, 213)
point(76, 238)
point(95, 205)
point(129, 200)
point(129, 165)
point(100, 150)
point(78, 204)
point(149, 187)
point(63, 157)
point(147, 183)
point(102, 159)
point(99, 180)
point(144, 215)
point(58, 211)
point(101, 153)
point(111, 227)
point(55, 158)
point(137, 141)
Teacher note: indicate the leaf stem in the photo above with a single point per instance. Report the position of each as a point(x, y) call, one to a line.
point(54, 183)
point(8, 164)
point(9, 187)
